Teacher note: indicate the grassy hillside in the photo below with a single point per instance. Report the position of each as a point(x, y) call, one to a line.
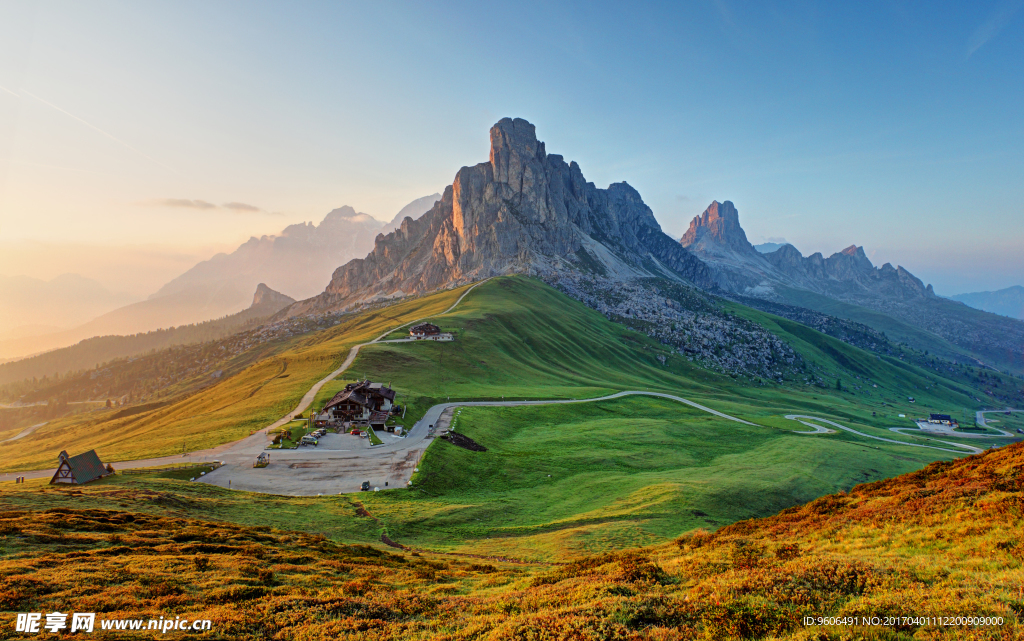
point(231, 409)
point(516, 338)
point(921, 339)
point(560, 481)
point(605, 508)
point(919, 552)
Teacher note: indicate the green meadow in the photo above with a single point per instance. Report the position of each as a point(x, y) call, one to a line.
point(555, 481)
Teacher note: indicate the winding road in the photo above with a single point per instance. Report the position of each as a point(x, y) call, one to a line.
point(964, 449)
point(980, 420)
point(25, 432)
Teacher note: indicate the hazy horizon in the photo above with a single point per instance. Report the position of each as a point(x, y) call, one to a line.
point(891, 127)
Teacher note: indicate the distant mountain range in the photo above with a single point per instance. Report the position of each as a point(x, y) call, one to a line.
point(767, 248)
point(31, 306)
point(298, 262)
point(912, 312)
point(1006, 302)
point(93, 351)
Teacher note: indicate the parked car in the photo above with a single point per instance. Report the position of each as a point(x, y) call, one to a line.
point(308, 440)
point(365, 487)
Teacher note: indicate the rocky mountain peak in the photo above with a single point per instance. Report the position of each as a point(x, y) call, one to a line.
point(853, 257)
point(717, 210)
point(522, 211)
point(514, 147)
point(266, 297)
point(345, 211)
point(719, 226)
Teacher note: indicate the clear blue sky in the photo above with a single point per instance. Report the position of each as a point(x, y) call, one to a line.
point(897, 126)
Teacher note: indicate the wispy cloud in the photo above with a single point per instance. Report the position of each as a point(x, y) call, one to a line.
point(10, 92)
point(195, 203)
point(242, 207)
point(992, 26)
point(181, 202)
point(100, 131)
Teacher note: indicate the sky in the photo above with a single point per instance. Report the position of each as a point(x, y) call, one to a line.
point(138, 138)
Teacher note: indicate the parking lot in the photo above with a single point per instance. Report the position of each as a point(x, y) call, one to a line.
point(339, 463)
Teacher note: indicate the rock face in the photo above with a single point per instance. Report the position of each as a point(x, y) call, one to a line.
point(266, 298)
point(848, 276)
point(847, 272)
point(717, 237)
point(717, 228)
point(523, 211)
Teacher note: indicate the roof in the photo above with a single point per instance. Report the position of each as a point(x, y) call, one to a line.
point(347, 395)
point(941, 417)
point(361, 393)
point(85, 467)
point(425, 328)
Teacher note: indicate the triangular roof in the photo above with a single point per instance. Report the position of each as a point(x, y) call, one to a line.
point(84, 468)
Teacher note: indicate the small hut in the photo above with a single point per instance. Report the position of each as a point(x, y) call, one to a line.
point(79, 469)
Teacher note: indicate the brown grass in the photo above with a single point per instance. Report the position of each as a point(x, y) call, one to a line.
point(944, 541)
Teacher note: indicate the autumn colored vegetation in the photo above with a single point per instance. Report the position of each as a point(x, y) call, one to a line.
point(942, 541)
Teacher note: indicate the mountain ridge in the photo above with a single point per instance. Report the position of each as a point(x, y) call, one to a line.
point(1008, 301)
point(523, 211)
point(850, 277)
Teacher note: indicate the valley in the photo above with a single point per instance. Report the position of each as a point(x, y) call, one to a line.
point(653, 466)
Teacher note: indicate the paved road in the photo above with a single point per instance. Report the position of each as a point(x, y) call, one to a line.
point(25, 432)
point(818, 429)
point(965, 448)
point(199, 456)
point(980, 420)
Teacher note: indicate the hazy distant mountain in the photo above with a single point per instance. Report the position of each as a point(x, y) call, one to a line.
point(101, 349)
point(30, 306)
point(413, 210)
point(767, 248)
point(523, 211)
point(787, 276)
point(298, 262)
point(1005, 302)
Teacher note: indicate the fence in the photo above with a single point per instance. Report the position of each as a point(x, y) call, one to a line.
point(187, 466)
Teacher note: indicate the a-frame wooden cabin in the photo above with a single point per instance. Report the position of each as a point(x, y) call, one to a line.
point(79, 469)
